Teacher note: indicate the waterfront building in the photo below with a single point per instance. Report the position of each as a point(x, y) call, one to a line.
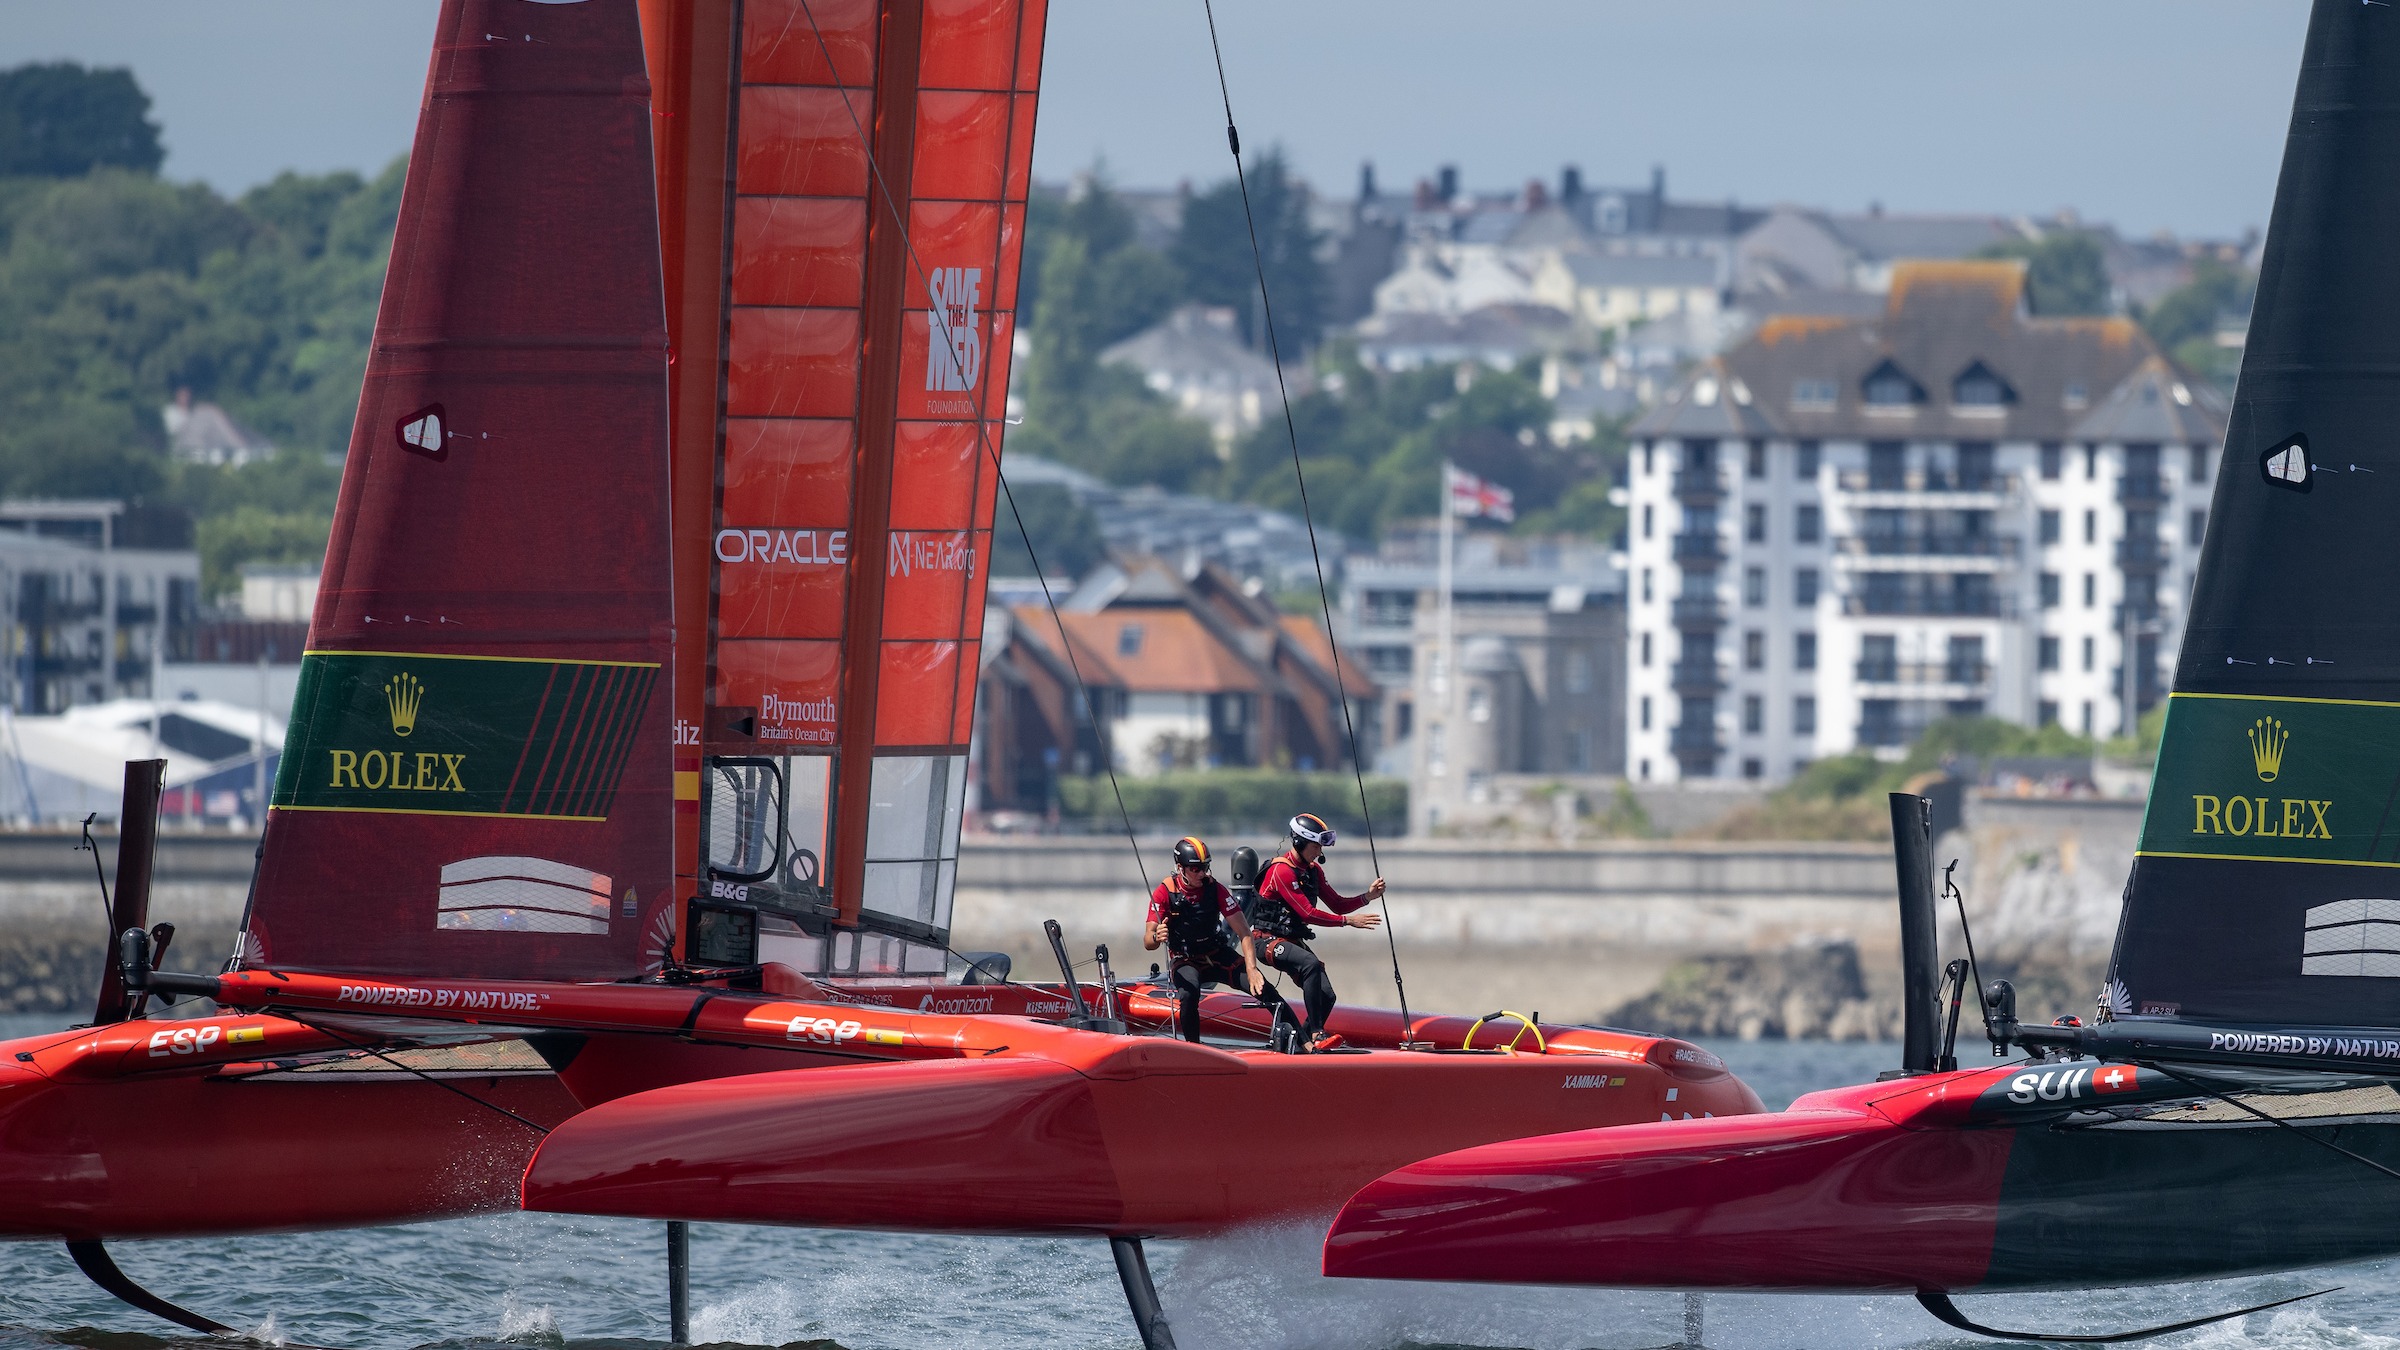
point(1844, 529)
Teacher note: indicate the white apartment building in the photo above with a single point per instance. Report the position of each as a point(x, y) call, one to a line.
point(1845, 529)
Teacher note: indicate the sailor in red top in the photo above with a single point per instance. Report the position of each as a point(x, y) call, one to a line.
point(1293, 894)
point(1189, 913)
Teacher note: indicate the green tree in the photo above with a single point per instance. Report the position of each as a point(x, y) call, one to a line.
point(1066, 539)
point(2185, 320)
point(2065, 271)
point(59, 120)
point(248, 534)
point(1212, 249)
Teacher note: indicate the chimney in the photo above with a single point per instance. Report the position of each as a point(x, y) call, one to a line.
point(1366, 182)
point(1448, 183)
point(1570, 185)
point(1658, 183)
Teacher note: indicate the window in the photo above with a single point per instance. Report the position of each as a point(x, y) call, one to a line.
point(2196, 528)
point(1887, 466)
point(1645, 651)
point(1645, 723)
point(1754, 586)
point(1888, 386)
point(2091, 463)
point(1804, 715)
point(2053, 455)
point(1804, 465)
point(1645, 585)
point(2087, 669)
point(1808, 524)
point(1647, 467)
point(1754, 650)
point(2049, 590)
point(1975, 466)
point(2048, 653)
point(1645, 765)
point(1649, 520)
point(1753, 768)
point(1804, 587)
point(2091, 590)
point(1754, 462)
point(2087, 717)
point(1814, 395)
point(1804, 651)
point(2048, 714)
point(1579, 671)
point(1879, 657)
point(2077, 395)
point(2091, 527)
point(2199, 472)
point(1754, 523)
point(1754, 714)
point(1979, 387)
point(2049, 521)
point(1129, 640)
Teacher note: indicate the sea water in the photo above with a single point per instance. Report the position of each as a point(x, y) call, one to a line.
point(570, 1283)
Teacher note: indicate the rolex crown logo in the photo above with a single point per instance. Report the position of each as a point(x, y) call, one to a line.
point(406, 694)
point(2267, 740)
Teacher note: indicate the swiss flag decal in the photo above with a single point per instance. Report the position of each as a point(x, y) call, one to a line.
point(2114, 1078)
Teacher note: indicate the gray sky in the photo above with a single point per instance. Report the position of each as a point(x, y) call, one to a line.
point(2146, 113)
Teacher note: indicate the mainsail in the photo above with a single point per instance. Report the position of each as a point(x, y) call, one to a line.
point(2267, 885)
point(843, 190)
point(477, 779)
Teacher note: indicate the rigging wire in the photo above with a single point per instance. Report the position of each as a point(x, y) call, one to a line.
point(2247, 1109)
point(1951, 888)
point(982, 441)
point(369, 1048)
point(1341, 693)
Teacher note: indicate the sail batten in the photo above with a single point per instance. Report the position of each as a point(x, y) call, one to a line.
point(2276, 798)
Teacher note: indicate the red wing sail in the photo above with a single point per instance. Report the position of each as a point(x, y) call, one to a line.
point(846, 379)
point(477, 778)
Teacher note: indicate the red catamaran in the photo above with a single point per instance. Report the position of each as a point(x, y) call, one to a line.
point(627, 770)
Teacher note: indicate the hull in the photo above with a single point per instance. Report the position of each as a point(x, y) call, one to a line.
point(245, 1145)
point(1075, 1133)
point(1926, 1185)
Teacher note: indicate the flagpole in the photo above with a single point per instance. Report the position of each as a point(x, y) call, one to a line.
point(1447, 633)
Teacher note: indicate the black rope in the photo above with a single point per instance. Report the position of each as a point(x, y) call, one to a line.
point(369, 1048)
point(1341, 691)
point(108, 907)
point(983, 443)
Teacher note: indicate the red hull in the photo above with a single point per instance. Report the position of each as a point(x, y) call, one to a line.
point(1066, 1132)
point(89, 1150)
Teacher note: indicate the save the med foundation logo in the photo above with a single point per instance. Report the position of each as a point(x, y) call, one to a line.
point(2298, 779)
point(461, 735)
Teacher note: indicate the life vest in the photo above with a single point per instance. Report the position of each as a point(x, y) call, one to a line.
point(1195, 926)
point(1275, 918)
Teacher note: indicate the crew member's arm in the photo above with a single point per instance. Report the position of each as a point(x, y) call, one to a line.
point(1241, 929)
point(1348, 905)
point(1279, 882)
point(1154, 927)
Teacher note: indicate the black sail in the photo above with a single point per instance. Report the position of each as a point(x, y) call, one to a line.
point(2266, 891)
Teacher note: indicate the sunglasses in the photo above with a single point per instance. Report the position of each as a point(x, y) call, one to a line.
point(1195, 867)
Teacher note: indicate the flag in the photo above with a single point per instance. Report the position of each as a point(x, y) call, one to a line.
point(2116, 1078)
point(1472, 496)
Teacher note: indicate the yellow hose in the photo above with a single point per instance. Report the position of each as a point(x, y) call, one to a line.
point(1525, 1024)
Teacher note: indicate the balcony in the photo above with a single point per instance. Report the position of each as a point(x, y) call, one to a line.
point(1914, 488)
point(2141, 488)
point(1692, 679)
point(1988, 605)
point(1695, 741)
point(1873, 671)
point(2141, 555)
point(1699, 550)
point(1929, 545)
point(1697, 611)
point(1698, 485)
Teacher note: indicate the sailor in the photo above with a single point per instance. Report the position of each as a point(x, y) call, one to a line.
point(1189, 913)
point(1294, 894)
